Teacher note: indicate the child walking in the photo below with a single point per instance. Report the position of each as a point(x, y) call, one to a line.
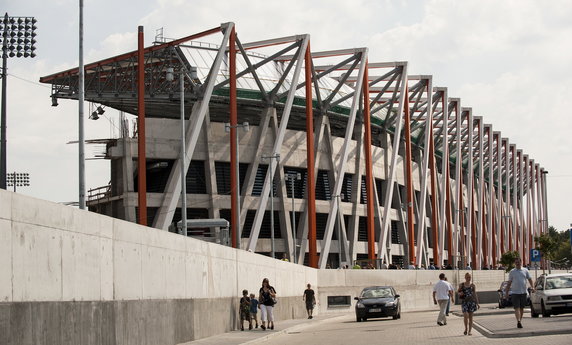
point(245, 310)
point(253, 310)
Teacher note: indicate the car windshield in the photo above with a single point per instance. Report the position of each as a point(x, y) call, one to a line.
point(377, 293)
point(559, 282)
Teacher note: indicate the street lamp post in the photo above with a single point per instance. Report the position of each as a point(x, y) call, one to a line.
point(272, 157)
point(18, 40)
point(246, 127)
point(292, 177)
point(339, 226)
point(17, 180)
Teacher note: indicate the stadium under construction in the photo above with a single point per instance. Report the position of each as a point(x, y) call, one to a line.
point(321, 157)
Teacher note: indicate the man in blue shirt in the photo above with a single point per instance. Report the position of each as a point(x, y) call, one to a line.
point(517, 285)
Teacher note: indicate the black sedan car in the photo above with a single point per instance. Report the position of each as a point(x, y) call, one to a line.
point(378, 301)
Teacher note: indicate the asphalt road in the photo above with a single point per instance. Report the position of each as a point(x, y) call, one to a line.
point(493, 326)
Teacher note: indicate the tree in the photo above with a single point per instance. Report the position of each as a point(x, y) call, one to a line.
point(507, 259)
point(547, 244)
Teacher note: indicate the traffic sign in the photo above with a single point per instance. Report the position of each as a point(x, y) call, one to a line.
point(535, 255)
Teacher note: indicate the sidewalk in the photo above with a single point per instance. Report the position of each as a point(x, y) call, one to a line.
point(257, 334)
point(501, 323)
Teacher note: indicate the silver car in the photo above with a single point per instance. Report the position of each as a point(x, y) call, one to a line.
point(553, 295)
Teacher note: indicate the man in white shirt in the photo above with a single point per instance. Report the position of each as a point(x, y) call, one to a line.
point(517, 285)
point(442, 292)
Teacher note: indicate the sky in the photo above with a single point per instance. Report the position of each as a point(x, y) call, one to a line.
point(508, 60)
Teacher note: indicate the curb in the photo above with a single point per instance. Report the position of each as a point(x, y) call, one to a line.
point(489, 334)
point(292, 329)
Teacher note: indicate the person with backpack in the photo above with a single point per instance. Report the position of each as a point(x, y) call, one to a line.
point(245, 310)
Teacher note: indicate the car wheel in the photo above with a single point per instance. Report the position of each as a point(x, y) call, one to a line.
point(533, 312)
point(395, 317)
point(543, 309)
point(364, 319)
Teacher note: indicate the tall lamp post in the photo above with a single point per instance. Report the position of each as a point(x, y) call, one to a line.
point(339, 226)
point(293, 177)
point(272, 158)
point(246, 127)
point(18, 40)
point(17, 180)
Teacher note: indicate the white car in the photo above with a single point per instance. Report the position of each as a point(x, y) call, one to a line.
point(553, 295)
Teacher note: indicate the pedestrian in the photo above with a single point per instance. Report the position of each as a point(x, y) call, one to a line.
point(442, 292)
point(253, 309)
point(468, 293)
point(267, 300)
point(517, 285)
point(310, 298)
point(448, 302)
point(245, 310)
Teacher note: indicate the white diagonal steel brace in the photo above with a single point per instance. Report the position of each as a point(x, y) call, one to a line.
point(480, 196)
point(514, 215)
point(391, 178)
point(321, 125)
point(326, 242)
point(268, 114)
point(424, 171)
point(458, 185)
point(522, 235)
point(470, 181)
point(172, 192)
point(491, 198)
point(253, 239)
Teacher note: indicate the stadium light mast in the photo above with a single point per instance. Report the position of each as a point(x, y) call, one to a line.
point(18, 40)
point(18, 180)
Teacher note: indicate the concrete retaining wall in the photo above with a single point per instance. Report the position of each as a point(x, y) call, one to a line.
point(115, 282)
point(69, 276)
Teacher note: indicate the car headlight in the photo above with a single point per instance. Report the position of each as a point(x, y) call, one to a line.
point(360, 305)
point(390, 304)
point(554, 298)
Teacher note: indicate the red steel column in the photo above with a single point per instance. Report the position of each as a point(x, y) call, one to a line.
point(409, 180)
point(234, 194)
point(494, 229)
point(368, 168)
point(311, 190)
point(434, 225)
point(473, 227)
point(462, 214)
point(141, 160)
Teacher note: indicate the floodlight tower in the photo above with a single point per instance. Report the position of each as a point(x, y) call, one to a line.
point(18, 40)
point(18, 180)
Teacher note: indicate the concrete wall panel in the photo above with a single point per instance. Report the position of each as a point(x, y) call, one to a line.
point(127, 271)
point(37, 269)
point(81, 272)
point(197, 278)
point(6, 205)
point(40, 212)
point(5, 260)
point(106, 268)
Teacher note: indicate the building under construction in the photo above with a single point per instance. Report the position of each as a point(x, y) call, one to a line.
point(322, 157)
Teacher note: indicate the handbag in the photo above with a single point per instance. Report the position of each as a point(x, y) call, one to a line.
point(274, 300)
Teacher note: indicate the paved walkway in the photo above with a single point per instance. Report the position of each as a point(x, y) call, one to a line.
point(414, 327)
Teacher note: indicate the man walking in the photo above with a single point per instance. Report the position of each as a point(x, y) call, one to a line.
point(442, 293)
point(517, 285)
